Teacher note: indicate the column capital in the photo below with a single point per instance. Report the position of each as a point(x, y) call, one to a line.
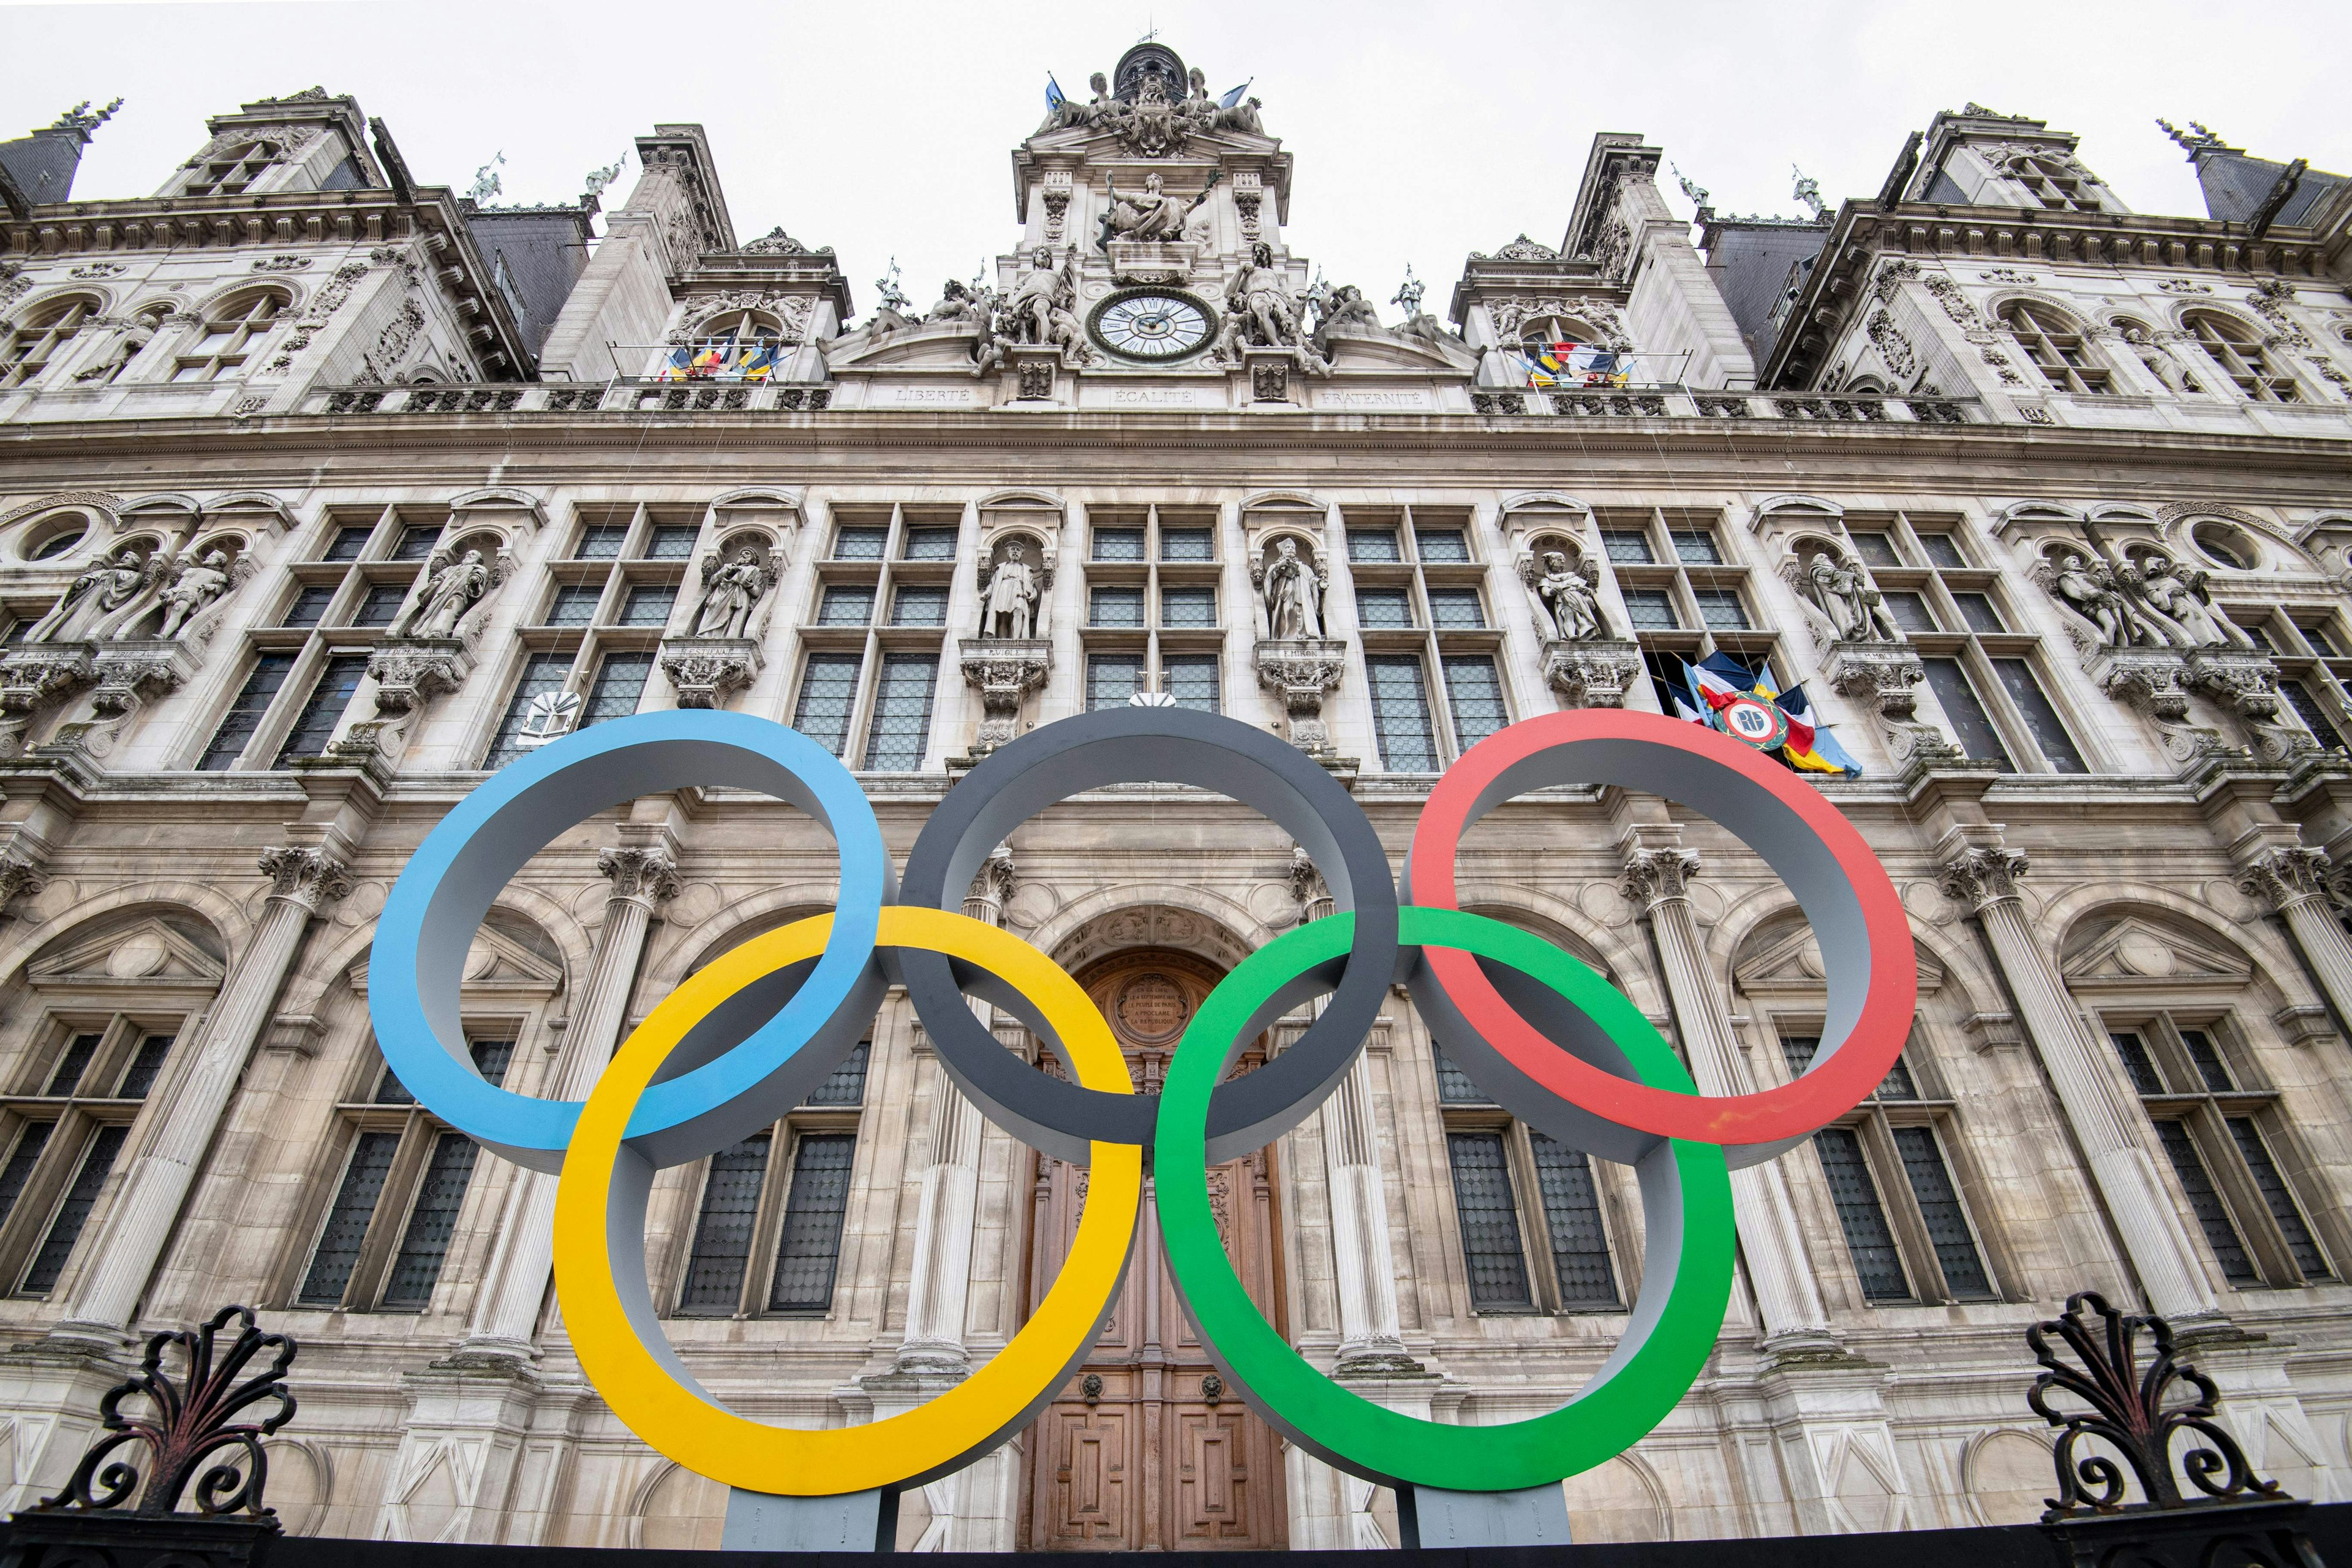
point(1983, 876)
point(646, 874)
point(305, 875)
point(991, 886)
point(2282, 875)
point(1655, 876)
point(22, 874)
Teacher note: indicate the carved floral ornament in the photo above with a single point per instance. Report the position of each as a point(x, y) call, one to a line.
point(1511, 311)
point(793, 312)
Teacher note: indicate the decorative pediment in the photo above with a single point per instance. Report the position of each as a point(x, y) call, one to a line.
point(1791, 962)
point(497, 964)
point(148, 952)
point(2137, 953)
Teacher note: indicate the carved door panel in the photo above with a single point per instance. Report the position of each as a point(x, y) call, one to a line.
point(1146, 1450)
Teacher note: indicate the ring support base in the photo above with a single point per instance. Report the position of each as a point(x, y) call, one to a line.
point(849, 1521)
point(1435, 1519)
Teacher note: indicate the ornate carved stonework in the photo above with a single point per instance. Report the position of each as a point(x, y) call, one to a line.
point(21, 874)
point(1980, 876)
point(1036, 379)
point(1303, 671)
point(311, 878)
point(2283, 876)
point(1592, 674)
point(1883, 677)
point(411, 671)
point(1270, 382)
point(649, 875)
point(1006, 669)
point(1654, 877)
point(2247, 680)
point(2155, 680)
point(707, 670)
point(31, 679)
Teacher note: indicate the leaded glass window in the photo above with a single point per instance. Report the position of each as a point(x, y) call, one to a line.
point(931, 545)
point(810, 1249)
point(574, 605)
point(347, 1221)
point(2278, 1198)
point(309, 605)
point(620, 684)
point(2040, 716)
point(860, 541)
point(1117, 609)
point(1192, 679)
point(1490, 1224)
point(1442, 546)
point(1455, 608)
point(1112, 679)
point(1579, 1247)
point(845, 1085)
point(1188, 607)
point(1118, 544)
point(431, 1222)
point(2212, 1216)
point(1971, 725)
point(1400, 713)
point(919, 604)
point(315, 725)
point(1384, 609)
point(901, 728)
point(723, 1228)
point(1474, 695)
point(243, 716)
point(66, 1226)
point(1868, 1237)
point(1939, 1209)
point(828, 693)
point(648, 605)
point(672, 542)
point(1185, 544)
point(845, 606)
point(543, 674)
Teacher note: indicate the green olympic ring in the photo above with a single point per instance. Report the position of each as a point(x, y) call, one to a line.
point(1685, 1205)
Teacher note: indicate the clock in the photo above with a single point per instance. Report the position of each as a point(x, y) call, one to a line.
point(1152, 326)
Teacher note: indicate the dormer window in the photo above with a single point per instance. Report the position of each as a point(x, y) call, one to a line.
point(232, 330)
point(2053, 183)
point(2056, 349)
point(234, 171)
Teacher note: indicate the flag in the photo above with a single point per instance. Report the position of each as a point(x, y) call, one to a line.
point(1686, 704)
point(1234, 97)
point(679, 365)
point(1054, 98)
point(1810, 749)
point(708, 361)
point(759, 362)
point(1567, 364)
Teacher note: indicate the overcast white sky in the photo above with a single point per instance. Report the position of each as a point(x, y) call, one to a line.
point(1422, 131)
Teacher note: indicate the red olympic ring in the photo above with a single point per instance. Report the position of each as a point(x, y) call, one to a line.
point(1838, 880)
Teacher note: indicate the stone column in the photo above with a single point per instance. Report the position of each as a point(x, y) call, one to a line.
point(506, 1311)
point(1984, 877)
point(1657, 880)
point(2295, 882)
point(303, 879)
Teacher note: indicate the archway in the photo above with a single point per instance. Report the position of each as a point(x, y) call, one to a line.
point(1146, 1450)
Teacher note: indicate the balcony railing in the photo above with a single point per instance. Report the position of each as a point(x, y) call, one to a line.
point(567, 397)
point(1679, 403)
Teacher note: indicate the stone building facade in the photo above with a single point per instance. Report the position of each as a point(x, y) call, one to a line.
point(323, 491)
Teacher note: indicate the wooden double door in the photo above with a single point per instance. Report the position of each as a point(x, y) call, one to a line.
point(1146, 1450)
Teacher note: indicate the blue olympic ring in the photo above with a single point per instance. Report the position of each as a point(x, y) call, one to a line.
point(771, 1044)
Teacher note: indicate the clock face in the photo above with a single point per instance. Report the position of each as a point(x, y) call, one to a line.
point(1151, 325)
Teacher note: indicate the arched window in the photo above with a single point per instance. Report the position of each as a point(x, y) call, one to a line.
point(2056, 350)
point(2242, 359)
point(232, 330)
point(233, 170)
point(40, 335)
point(2053, 183)
point(742, 326)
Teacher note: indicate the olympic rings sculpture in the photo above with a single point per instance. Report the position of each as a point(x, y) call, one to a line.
point(749, 1035)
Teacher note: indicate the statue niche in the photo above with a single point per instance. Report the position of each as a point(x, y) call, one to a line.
point(1013, 581)
point(1289, 584)
point(1841, 604)
point(1584, 657)
point(735, 578)
point(720, 653)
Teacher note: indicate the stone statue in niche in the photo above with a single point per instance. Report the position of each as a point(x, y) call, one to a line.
point(454, 587)
point(192, 591)
point(1846, 601)
point(1009, 592)
point(136, 334)
point(2086, 589)
point(1292, 590)
point(94, 599)
point(731, 593)
point(2175, 598)
point(1566, 596)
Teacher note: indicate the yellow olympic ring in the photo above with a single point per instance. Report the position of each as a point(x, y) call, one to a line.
point(599, 1269)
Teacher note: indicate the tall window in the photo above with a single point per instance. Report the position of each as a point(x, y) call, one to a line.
point(315, 723)
point(1421, 607)
point(2227, 1142)
point(620, 685)
point(767, 1234)
point(386, 1232)
point(901, 726)
point(2239, 351)
point(1684, 589)
point(36, 339)
point(543, 675)
point(243, 716)
point(828, 696)
point(1908, 1230)
point(2056, 349)
point(1550, 1255)
point(1112, 679)
point(1152, 606)
point(1193, 680)
point(232, 330)
point(70, 1112)
point(1990, 682)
